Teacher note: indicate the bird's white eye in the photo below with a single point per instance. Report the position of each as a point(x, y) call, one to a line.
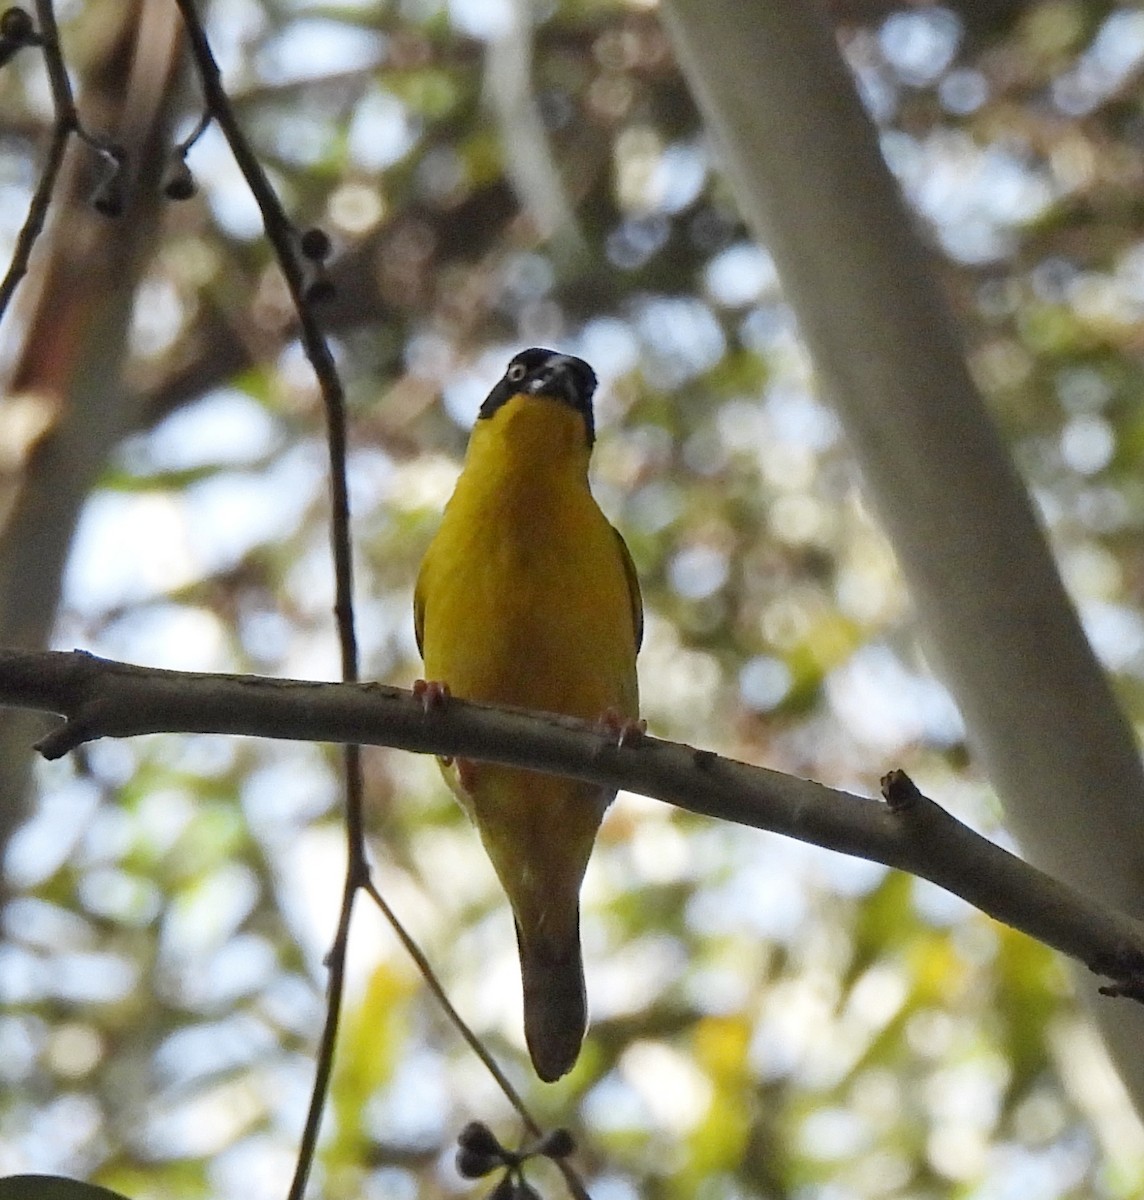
point(516, 373)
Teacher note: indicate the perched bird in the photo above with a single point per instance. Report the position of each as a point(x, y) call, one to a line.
point(527, 596)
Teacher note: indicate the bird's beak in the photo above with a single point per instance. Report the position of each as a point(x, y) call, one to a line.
point(558, 379)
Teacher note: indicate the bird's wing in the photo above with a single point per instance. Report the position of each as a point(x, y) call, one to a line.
point(419, 606)
point(635, 599)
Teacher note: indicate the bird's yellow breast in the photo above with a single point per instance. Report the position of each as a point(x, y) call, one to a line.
point(525, 597)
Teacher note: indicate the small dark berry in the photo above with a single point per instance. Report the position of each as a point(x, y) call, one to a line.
point(478, 1136)
point(472, 1164)
point(316, 244)
point(16, 24)
point(107, 199)
point(178, 182)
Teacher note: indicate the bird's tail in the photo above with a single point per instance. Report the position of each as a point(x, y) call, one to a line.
point(555, 1009)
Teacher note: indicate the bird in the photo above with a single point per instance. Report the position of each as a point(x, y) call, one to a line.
point(528, 597)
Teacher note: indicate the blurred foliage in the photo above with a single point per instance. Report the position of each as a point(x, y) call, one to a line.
point(769, 1020)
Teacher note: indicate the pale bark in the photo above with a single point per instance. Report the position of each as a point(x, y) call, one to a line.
point(803, 161)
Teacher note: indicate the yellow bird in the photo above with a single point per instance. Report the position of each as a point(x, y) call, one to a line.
point(528, 597)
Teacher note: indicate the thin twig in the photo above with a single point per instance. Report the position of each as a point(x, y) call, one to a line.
point(62, 96)
point(66, 123)
point(335, 989)
point(283, 237)
point(434, 984)
point(37, 215)
point(201, 126)
point(575, 1186)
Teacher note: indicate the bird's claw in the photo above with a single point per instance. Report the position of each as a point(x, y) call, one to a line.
point(624, 729)
point(431, 692)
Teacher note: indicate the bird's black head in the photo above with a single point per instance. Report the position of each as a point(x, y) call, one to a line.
point(539, 372)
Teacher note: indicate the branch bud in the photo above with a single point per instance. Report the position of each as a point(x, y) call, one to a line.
point(178, 182)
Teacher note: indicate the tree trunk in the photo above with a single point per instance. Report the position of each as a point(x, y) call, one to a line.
point(803, 160)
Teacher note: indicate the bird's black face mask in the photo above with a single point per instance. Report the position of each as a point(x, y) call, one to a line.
point(540, 372)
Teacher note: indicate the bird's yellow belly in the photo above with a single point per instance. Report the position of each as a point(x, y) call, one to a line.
point(541, 622)
point(544, 626)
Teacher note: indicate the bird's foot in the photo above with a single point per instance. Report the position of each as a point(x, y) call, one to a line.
point(466, 774)
point(431, 692)
point(624, 729)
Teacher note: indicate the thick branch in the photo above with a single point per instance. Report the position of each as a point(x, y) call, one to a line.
point(101, 698)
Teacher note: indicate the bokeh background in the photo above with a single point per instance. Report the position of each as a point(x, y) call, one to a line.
point(768, 1019)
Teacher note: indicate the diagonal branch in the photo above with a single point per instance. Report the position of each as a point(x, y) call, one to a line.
point(62, 129)
point(65, 123)
point(284, 239)
point(290, 249)
point(102, 698)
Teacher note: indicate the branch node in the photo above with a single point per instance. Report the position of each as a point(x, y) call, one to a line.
point(182, 149)
point(704, 760)
point(68, 735)
point(1125, 968)
point(1132, 988)
point(109, 194)
point(899, 791)
point(360, 875)
point(480, 1152)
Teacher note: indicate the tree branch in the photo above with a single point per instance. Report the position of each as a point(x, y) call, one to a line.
point(102, 698)
point(299, 256)
point(66, 122)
